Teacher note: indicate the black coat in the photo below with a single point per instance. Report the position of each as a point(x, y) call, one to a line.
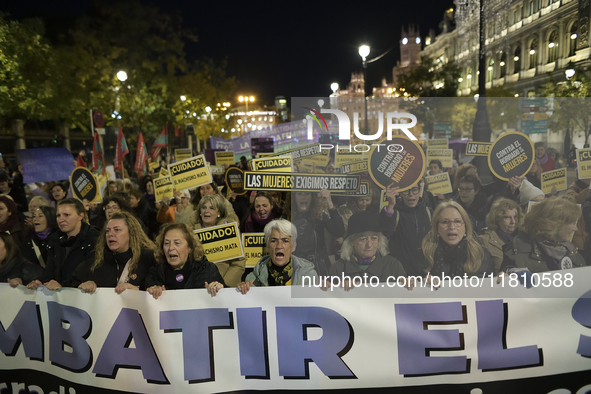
point(28, 250)
point(20, 268)
point(108, 273)
point(196, 273)
point(60, 264)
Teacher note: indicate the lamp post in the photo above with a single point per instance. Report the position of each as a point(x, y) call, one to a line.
point(246, 99)
point(364, 53)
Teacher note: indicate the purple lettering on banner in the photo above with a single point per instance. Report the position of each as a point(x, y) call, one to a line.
point(26, 328)
point(252, 340)
point(493, 354)
point(197, 327)
point(415, 341)
point(116, 352)
point(581, 312)
point(80, 326)
point(295, 351)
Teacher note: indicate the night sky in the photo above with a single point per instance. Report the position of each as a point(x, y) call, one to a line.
point(293, 49)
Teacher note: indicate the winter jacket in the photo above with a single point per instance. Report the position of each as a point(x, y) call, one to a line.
point(300, 268)
point(27, 248)
point(382, 267)
point(20, 268)
point(195, 274)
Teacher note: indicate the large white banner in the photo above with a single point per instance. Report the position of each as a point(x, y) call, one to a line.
point(452, 339)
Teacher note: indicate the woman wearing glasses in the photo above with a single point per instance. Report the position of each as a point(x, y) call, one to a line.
point(405, 221)
point(451, 248)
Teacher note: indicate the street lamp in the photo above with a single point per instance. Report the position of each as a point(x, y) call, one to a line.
point(570, 73)
point(122, 76)
point(246, 99)
point(183, 98)
point(364, 53)
point(334, 87)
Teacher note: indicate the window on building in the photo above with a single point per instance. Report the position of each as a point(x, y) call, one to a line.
point(533, 54)
point(553, 47)
point(489, 70)
point(531, 8)
point(469, 77)
point(572, 40)
point(515, 17)
point(503, 65)
point(539, 5)
point(517, 60)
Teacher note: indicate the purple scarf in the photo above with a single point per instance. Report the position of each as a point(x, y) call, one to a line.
point(43, 234)
point(544, 159)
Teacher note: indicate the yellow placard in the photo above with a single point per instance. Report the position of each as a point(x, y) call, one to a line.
point(221, 243)
point(554, 178)
point(183, 154)
point(438, 143)
point(355, 168)
point(154, 164)
point(443, 155)
point(363, 190)
point(337, 184)
point(216, 169)
point(254, 247)
point(163, 172)
point(319, 160)
point(190, 173)
point(584, 163)
point(222, 158)
point(85, 185)
point(260, 155)
point(163, 187)
point(439, 184)
point(474, 148)
point(277, 164)
point(343, 157)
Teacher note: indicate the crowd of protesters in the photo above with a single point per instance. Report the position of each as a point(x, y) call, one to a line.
point(130, 241)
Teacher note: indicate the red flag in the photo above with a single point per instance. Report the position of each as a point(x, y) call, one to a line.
point(177, 131)
point(97, 155)
point(142, 154)
point(80, 162)
point(161, 142)
point(120, 151)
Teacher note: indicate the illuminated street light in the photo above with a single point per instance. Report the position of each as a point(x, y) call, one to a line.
point(246, 99)
point(183, 98)
point(570, 73)
point(122, 76)
point(364, 53)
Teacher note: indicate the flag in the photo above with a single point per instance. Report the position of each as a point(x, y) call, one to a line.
point(177, 131)
point(161, 142)
point(80, 162)
point(141, 156)
point(120, 151)
point(98, 160)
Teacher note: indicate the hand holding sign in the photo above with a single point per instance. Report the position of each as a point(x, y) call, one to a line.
point(391, 194)
point(514, 183)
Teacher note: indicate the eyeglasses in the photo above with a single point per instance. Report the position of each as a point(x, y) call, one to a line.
point(112, 208)
point(451, 223)
point(414, 190)
point(466, 189)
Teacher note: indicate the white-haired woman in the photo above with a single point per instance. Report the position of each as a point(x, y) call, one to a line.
point(280, 267)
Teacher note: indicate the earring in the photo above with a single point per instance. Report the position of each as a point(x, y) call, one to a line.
point(465, 235)
point(218, 216)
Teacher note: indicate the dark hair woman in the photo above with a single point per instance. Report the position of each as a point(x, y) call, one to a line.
point(34, 246)
point(9, 220)
point(262, 211)
point(13, 267)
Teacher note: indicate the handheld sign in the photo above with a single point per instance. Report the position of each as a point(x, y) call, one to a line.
point(254, 247)
point(46, 164)
point(318, 160)
point(474, 148)
point(163, 172)
point(218, 170)
point(154, 164)
point(439, 184)
point(84, 185)
point(221, 243)
point(190, 173)
point(512, 154)
point(235, 180)
point(222, 158)
point(163, 187)
point(355, 167)
point(399, 161)
point(363, 190)
point(438, 143)
point(277, 164)
point(383, 200)
point(337, 184)
point(556, 178)
point(343, 157)
point(299, 153)
point(183, 154)
point(584, 163)
point(444, 155)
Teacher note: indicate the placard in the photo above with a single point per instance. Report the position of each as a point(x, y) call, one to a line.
point(277, 164)
point(444, 155)
point(584, 163)
point(512, 154)
point(355, 167)
point(439, 184)
point(475, 148)
point(554, 178)
point(254, 247)
point(223, 158)
point(362, 191)
point(217, 170)
point(163, 172)
point(399, 162)
point(299, 153)
point(235, 180)
point(221, 243)
point(181, 154)
point(383, 199)
point(300, 182)
point(46, 164)
point(85, 186)
point(319, 160)
point(343, 157)
point(190, 173)
point(438, 143)
point(163, 187)
point(265, 154)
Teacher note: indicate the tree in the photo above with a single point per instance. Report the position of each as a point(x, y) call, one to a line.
point(431, 80)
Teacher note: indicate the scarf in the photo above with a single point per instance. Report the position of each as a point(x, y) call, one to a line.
point(544, 159)
point(362, 263)
point(13, 218)
point(453, 256)
point(504, 236)
point(42, 235)
point(556, 251)
point(262, 222)
point(280, 276)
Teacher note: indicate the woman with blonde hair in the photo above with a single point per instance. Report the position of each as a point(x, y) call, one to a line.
point(543, 243)
point(122, 259)
point(452, 248)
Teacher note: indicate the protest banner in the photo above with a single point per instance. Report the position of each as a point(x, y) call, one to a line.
point(343, 157)
point(163, 172)
point(190, 173)
point(444, 155)
point(254, 247)
point(181, 154)
point(512, 154)
point(221, 243)
point(438, 143)
point(399, 162)
point(474, 148)
point(217, 170)
point(556, 178)
point(163, 187)
point(85, 186)
point(498, 338)
point(222, 158)
point(362, 190)
point(300, 153)
point(584, 163)
point(235, 180)
point(337, 184)
point(277, 164)
point(46, 164)
point(439, 184)
point(355, 167)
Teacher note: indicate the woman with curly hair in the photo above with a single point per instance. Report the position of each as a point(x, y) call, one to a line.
point(122, 258)
point(452, 248)
point(263, 209)
point(543, 243)
point(181, 263)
